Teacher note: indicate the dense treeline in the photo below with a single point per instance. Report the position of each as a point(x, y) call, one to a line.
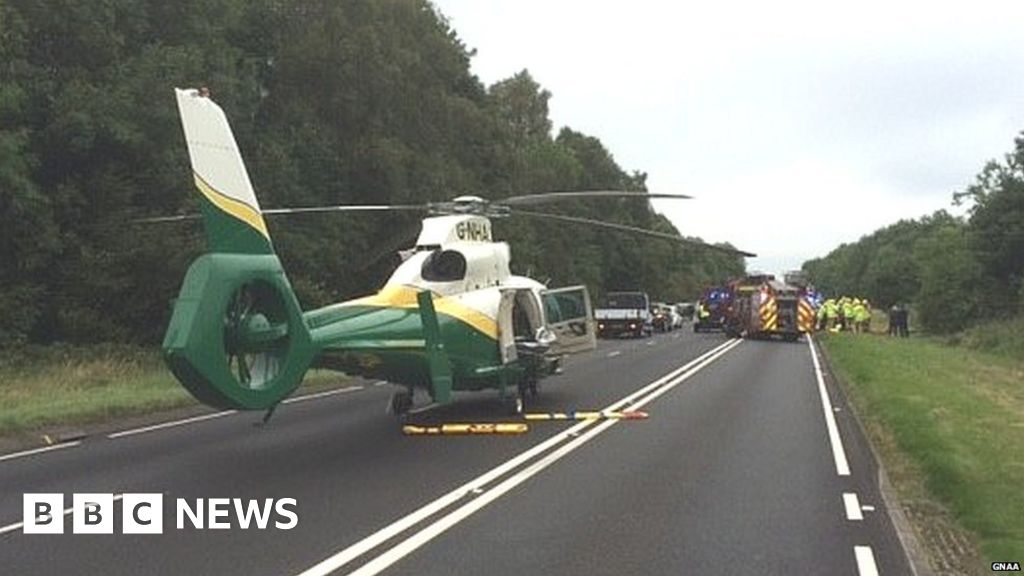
point(956, 271)
point(363, 101)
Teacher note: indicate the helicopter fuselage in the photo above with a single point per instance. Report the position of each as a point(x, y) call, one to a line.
point(488, 318)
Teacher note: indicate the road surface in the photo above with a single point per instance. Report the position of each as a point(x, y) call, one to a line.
point(738, 470)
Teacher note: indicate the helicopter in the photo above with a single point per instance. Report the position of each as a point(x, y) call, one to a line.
point(452, 317)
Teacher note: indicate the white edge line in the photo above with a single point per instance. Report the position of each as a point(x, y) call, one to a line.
point(14, 455)
point(852, 505)
point(170, 424)
point(838, 454)
point(16, 525)
point(203, 417)
point(474, 486)
point(321, 394)
point(865, 561)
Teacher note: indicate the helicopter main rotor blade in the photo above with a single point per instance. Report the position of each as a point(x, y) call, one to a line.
point(301, 210)
point(546, 197)
point(633, 229)
point(347, 208)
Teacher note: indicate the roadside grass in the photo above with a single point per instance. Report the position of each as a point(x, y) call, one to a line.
point(63, 386)
point(949, 419)
point(1001, 337)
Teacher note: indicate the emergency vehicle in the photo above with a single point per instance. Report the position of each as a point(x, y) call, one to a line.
point(763, 307)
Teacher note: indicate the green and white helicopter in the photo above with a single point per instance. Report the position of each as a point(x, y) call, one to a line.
point(451, 317)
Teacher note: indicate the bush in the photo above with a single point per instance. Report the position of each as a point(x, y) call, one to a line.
point(1002, 337)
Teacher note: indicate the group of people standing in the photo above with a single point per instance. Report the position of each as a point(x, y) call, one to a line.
point(854, 315)
point(846, 313)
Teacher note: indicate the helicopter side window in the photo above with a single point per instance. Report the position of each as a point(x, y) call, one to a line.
point(444, 266)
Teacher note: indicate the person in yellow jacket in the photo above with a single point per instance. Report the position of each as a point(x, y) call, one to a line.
point(861, 315)
point(823, 314)
point(848, 315)
point(829, 314)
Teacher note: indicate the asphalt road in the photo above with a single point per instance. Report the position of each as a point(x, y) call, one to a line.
point(734, 472)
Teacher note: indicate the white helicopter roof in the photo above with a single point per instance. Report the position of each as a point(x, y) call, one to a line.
point(445, 230)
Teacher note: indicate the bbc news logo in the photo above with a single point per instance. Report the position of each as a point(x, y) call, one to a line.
point(144, 513)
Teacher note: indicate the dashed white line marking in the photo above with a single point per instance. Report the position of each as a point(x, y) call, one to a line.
point(322, 394)
point(853, 511)
point(381, 383)
point(170, 424)
point(867, 508)
point(838, 453)
point(16, 525)
point(865, 561)
point(614, 353)
point(14, 455)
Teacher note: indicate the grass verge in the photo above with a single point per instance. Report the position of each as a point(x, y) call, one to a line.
point(62, 386)
point(949, 425)
point(1000, 337)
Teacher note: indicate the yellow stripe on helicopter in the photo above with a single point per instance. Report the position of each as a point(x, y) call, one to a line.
point(236, 208)
point(405, 297)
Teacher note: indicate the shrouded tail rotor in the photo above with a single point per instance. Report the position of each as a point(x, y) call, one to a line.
point(237, 338)
point(255, 334)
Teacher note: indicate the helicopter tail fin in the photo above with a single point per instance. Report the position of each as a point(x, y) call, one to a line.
point(237, 337)
point(231, 214)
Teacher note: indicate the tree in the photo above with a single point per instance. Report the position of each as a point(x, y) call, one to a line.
point(947, 300)
point(996, 225)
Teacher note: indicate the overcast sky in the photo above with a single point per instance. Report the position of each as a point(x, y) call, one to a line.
point(797, 125)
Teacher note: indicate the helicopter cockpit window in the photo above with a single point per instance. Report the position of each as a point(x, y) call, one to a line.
point(444, 266)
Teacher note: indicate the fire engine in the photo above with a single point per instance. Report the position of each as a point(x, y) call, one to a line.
point(763, 307)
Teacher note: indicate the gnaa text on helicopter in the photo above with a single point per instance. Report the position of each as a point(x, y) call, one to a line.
point(451, 317)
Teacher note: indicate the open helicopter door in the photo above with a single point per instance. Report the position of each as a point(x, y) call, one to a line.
point(569, 316)
point(506, 334)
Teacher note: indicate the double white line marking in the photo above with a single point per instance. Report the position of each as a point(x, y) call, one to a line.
point(528, 463)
